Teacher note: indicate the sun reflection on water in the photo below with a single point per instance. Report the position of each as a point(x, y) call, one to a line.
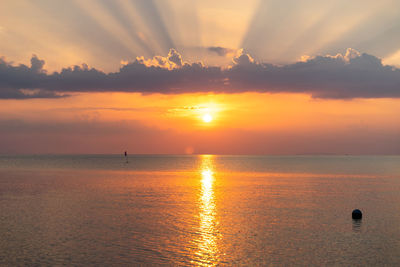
point(207, 251)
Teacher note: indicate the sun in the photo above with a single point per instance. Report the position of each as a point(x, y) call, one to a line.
point(207, 118)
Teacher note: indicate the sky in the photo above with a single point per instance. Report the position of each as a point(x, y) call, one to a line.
point(202, 77)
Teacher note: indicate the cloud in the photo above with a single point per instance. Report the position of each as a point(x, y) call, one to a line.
point(243, 59)
point(37, 64)
point(22, 82)
point(346, 76)
point(175, 57)
point(221, 51)
point(7, 93)
point(172, 61)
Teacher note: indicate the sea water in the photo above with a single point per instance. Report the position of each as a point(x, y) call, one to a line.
point(104, 210)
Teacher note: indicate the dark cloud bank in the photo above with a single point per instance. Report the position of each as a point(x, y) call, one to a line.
point(347, 76)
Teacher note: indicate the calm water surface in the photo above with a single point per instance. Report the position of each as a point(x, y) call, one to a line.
point(97, 210)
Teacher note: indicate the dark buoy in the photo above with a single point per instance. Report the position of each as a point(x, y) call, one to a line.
point(356, 214)
point(126, 157)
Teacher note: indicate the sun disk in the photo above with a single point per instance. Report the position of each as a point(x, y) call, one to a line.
point(207, 118)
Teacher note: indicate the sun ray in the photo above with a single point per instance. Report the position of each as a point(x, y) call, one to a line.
point(393, 59)
point(103, 17)
point(282, 33)
point(152, 20)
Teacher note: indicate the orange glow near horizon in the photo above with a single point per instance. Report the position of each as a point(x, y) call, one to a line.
point(148, 123)
point(251, 111)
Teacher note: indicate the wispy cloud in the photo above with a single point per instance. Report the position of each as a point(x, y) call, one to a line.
point(221, 51)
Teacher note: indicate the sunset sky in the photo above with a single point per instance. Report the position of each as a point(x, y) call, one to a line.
point(202, 77)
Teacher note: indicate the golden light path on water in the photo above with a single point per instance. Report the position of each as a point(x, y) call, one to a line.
point(207, 250)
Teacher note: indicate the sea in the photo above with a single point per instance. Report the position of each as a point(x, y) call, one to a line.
point(199, 210)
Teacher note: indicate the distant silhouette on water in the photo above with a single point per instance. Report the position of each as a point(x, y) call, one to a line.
point(126, 156)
